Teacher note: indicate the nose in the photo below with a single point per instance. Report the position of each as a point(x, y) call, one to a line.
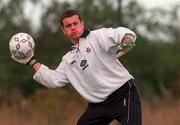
point(73, 27)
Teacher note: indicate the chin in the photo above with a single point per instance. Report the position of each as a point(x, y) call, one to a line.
point(76, 37)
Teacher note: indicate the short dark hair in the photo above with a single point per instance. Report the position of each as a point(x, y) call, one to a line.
point(69, 13)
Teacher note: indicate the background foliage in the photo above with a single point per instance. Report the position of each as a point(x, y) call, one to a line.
point(154, 62)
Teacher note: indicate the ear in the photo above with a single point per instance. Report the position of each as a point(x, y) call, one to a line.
point(62, 29)
point(82, 23)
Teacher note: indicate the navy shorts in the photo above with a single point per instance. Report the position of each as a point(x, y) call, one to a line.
point(123, 105)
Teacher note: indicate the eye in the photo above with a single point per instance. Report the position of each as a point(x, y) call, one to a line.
point(68, 25)
point(75, 23)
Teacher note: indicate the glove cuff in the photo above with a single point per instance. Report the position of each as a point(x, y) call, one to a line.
point(32, 62)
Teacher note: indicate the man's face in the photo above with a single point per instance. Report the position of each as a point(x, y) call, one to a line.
point(73, 27)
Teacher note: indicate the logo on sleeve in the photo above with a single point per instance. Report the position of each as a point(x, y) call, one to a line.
point(84, 64)
point(72, 62)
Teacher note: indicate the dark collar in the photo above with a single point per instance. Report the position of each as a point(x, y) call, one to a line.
point(85, 33)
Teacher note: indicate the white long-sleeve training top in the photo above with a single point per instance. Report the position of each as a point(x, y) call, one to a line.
point(91, 66)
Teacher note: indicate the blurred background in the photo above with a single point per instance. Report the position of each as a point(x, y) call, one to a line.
point(154, 62)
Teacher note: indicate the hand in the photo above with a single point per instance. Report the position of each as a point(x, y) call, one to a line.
point(22, 61)
point(28, 61)
point(123, 51)
point(126, 45)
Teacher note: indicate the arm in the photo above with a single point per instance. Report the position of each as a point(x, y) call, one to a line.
point(119, 40)
point(45, 76)
point(36, 66)
point(49, 77)
point(128, 42)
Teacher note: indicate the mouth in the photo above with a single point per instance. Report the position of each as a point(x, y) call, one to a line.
point(74, 34)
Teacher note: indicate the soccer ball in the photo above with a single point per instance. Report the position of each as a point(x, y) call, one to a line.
point(21, 46)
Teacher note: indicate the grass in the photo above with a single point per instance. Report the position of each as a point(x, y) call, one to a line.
point(61, 107)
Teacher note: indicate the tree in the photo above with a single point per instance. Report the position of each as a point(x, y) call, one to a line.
point(150, 61)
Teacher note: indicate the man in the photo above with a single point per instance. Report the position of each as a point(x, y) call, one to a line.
point(95, 72)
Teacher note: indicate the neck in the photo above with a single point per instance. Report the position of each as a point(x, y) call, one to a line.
point(74, 42)
point(84, 34)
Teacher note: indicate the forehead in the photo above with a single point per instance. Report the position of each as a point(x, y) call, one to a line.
point(71, 19)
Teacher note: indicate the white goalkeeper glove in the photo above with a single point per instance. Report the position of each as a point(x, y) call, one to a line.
point(29, 61)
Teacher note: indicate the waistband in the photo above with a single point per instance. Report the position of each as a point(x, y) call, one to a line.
point(120, 91)
point(129, 84)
